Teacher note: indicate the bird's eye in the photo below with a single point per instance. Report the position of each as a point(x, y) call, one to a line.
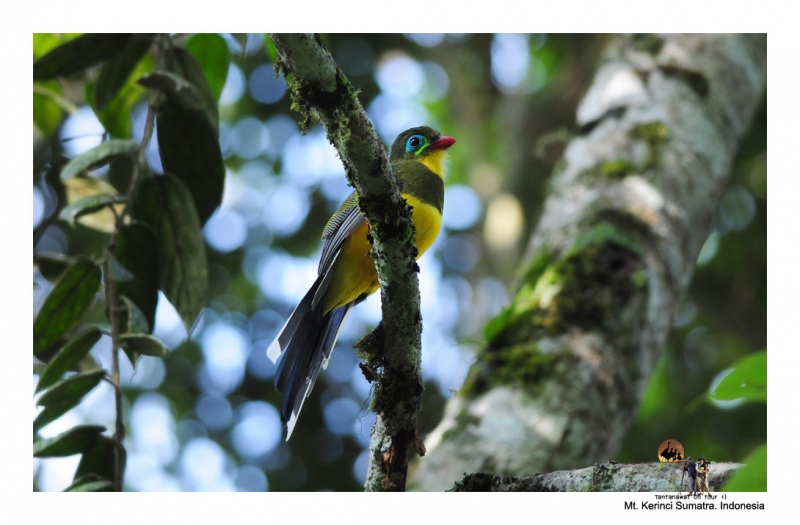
point(414, 142)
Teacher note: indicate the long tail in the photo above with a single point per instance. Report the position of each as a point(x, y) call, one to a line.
point(306, 342)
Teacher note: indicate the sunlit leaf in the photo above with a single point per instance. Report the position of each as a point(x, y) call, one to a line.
point(43, 43)
point(87, 206)
point(78, 54)
point(137, 250)
point(49, 106)
point(98, 156)
point(497, 324)
point(752, 477)
point(68, 357)
point(99, 459)
point(116, 115)
point(83, 186)
point(66, 304)
point(211, 51)
point(117, 71)
point(52, 265)
point(165, 204)
point(74, 441)
point(747, 381)
point(269, 49)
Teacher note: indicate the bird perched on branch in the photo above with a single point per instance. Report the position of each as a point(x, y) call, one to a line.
point(347, 272)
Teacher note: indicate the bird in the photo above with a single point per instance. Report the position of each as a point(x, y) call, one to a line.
point(346, 272)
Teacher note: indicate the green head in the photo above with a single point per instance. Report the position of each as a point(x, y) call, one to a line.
point(418, 143)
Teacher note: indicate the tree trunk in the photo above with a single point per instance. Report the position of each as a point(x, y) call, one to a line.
point(562, 373)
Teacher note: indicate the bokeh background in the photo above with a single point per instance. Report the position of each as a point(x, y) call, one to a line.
point(206, 419)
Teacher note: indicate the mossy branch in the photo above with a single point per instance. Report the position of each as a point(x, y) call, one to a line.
point(322, 91)
point(602, 477)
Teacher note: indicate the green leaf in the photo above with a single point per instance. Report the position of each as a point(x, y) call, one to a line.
point(181, 91)
point(65, 305)
point(89, 483)
point(99, 459)
point(88, 206)
point(43, 43)
point(78, 54)
point(143, 344)
point(269, 49)
point(752, 477)
point(137, 250)
point(48, 415)
point(497, 324)
point(49, 106)
point(117, 71)
point(165, 204)
point(65, 395)
point(52, 265)
point(68, 357)
point(74, 441)
point(748, 380)
point(135, 322)
point(99, 156)
point(183, 63)
point(188, 130)
point(189, 149)
point(71, 389)
point(119, 273)
point(211, 51)
point(116, 115)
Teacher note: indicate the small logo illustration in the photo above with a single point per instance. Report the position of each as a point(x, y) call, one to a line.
point(670, 451)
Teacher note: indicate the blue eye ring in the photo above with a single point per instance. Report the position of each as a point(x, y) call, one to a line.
point(414, 142)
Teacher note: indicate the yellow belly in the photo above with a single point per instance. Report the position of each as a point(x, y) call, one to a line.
point(354, 271)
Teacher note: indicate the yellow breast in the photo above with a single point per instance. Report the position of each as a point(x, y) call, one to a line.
point(354, 271)
point(427, 222)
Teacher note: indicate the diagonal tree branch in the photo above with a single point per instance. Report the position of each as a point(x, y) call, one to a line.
point(321, 90)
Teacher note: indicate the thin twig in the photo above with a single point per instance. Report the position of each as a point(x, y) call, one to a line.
point(113, 307)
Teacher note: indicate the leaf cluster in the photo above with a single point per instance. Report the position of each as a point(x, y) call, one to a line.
point(154, 240)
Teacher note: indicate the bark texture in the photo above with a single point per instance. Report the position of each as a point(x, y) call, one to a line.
point(393, 349)
point(602, 477)
point(561, 376)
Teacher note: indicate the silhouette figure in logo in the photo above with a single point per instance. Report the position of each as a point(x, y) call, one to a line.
point(671, 451)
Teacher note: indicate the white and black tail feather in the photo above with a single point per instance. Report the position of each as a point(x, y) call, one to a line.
point(308, 337)
point(305, 342)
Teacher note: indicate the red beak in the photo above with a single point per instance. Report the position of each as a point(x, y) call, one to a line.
point(443, 143)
